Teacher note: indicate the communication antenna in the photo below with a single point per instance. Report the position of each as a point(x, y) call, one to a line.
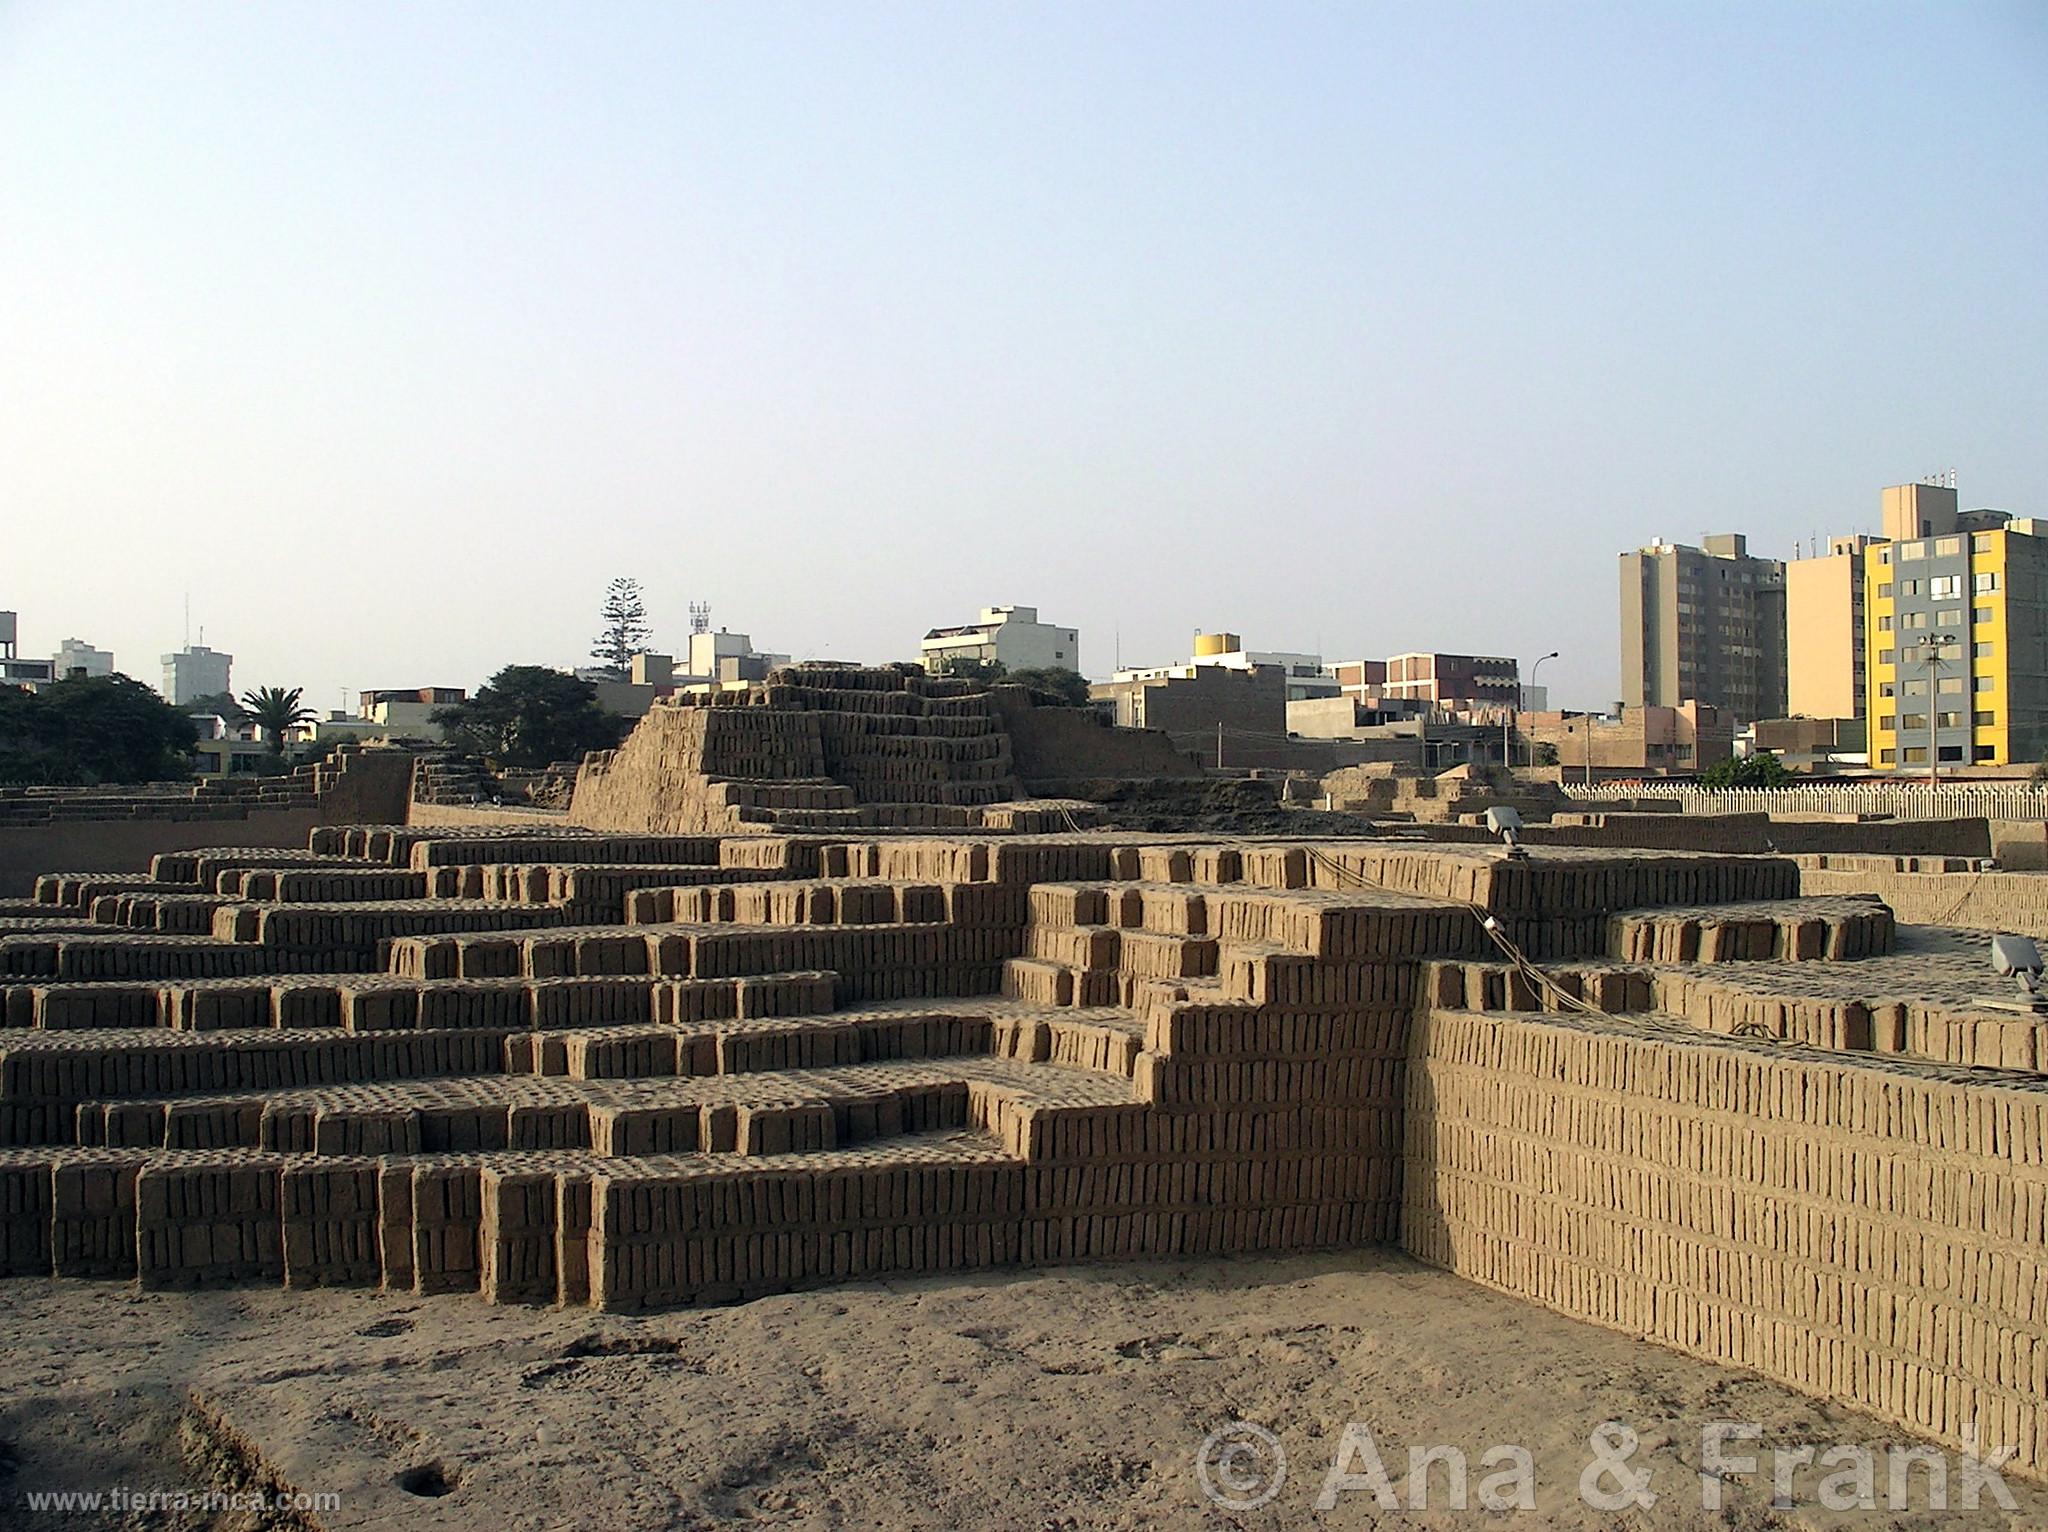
point(188, 618)
point(700, 617)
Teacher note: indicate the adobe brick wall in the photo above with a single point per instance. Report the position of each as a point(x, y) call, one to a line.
point(1865, 1234)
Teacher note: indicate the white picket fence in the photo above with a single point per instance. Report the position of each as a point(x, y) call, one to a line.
point(1900, 800)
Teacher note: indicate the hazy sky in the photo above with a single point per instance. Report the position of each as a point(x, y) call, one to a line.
point(390, 332)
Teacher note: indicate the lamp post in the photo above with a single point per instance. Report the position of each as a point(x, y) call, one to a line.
point(1930, 653)
point(1532, 686)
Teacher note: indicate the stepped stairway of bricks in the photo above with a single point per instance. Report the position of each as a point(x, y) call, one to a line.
point(1657, 1091)
point(643, 1069)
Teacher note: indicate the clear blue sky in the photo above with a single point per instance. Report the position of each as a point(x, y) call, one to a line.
point(392, 331)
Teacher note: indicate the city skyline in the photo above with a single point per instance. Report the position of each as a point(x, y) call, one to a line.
point(391, 336)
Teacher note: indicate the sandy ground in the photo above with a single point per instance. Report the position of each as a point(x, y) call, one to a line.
point(1074, 1398)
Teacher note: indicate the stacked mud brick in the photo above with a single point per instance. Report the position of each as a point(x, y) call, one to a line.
point(819, 747)
point(1855, 1227)
point(635, 1069)
point(1937, 890)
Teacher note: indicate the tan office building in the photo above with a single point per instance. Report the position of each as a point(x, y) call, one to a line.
point(1705, 625)
point(1824, 649)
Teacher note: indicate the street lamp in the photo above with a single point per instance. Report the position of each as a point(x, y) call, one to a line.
point(1932, 657)
point(1532, 686)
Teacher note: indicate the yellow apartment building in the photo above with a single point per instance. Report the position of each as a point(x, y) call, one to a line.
point(1955, 635)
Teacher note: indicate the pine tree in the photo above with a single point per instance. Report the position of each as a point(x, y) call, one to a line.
point(625, 628)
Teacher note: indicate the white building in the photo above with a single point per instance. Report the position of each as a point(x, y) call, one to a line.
point(195, 672)
point(1011, 636)
point(76, 654)
point(725, 657)
point(1307, 677)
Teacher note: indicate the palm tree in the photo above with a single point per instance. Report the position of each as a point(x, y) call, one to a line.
point(276, 712)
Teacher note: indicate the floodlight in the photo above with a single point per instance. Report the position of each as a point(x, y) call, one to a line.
point(1507, 824)
point(2018, 958)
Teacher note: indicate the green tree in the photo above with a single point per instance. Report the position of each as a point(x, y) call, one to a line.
point(89, 730)
point(964, 669)
point(625, 628)
point(528, 715)
point(220, 704)
point(276, 712)
point(1053, 683)
point(1546, 753)
point(1762, 769)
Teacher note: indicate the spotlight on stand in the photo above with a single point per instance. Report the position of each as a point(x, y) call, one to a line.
point(2017, 958)
point(1507, 824)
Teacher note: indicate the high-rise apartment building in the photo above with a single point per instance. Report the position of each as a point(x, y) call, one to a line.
point(1825, 668)
point(1703, 624)
point(1956, 633)
point(196, 671)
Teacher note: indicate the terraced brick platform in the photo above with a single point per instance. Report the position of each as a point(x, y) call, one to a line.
point(630, 1070)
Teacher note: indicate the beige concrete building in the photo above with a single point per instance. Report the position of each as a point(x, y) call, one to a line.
point(1824, 650)
point(1683, 739)
point(407, 712)
point(1912, 511)
point(1703, 624)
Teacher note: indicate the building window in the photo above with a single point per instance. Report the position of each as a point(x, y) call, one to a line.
point(1915, 688)
point(1981, 543)
point(1886, 757)
point(1951, 752)
point(1884, 623)
point(1951, 683)
point(1916, 755)
point(1912, 551)
point(1985, 684)
point(1949, 617)
point(1916, 620)
point(1887, 656)
point(1887, 689)
point(1985, 581)
point(1884, 593)
point(1981, 615)
point(1884, 555)
point(1948, 720)
point(1886, 724)
point(1945, 587)
point(1909, 587)
point(1984, 720)
point(1911, 721)
point(1983, 651)
point(1947, 545)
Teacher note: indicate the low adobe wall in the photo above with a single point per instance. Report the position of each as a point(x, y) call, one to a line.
point(1862, 1232)
point(1761, 832)
point(122, 845)
point(1977, 901)
point(364, 787)
point(1052, 744)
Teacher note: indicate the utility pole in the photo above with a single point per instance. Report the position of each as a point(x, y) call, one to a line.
point(1219, 744)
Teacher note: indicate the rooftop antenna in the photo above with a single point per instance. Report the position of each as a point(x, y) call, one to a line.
point(188, 617)
point(700, 617)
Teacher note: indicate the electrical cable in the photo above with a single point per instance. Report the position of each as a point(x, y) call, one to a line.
point(1488, 922)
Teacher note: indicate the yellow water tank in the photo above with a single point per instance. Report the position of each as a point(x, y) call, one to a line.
point(1207, 644)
